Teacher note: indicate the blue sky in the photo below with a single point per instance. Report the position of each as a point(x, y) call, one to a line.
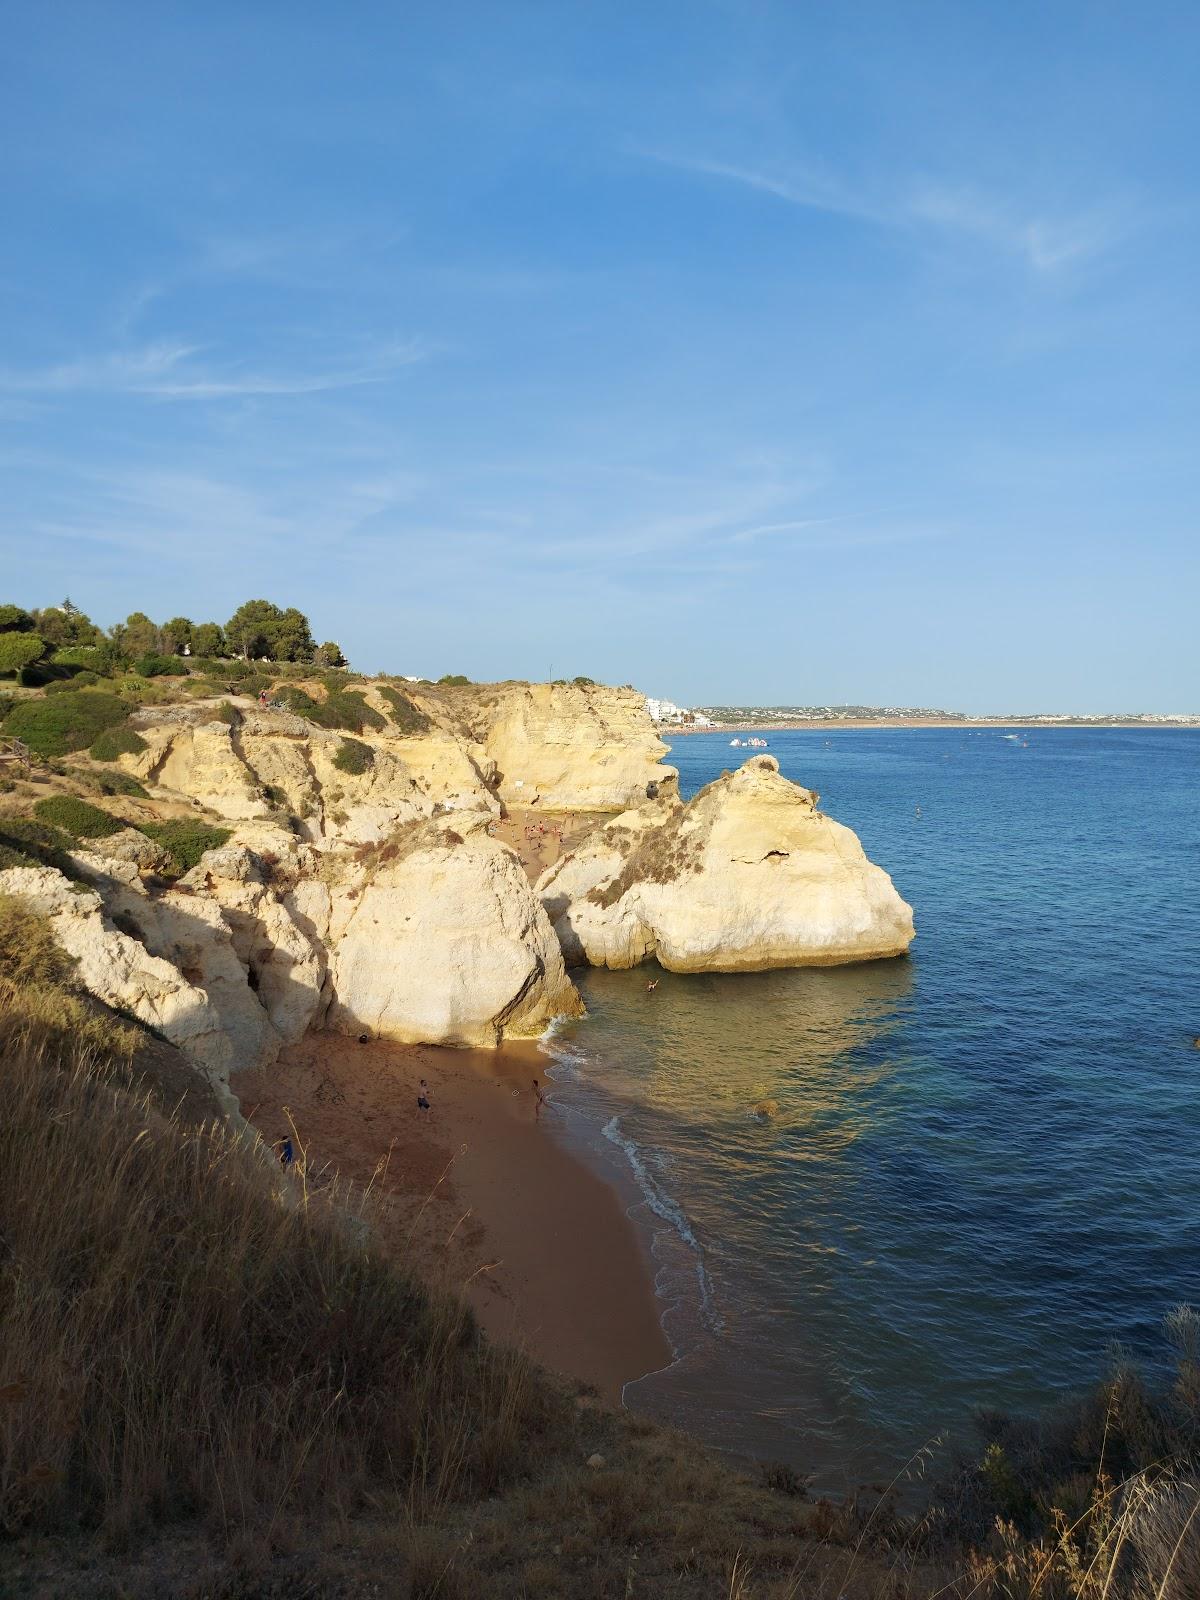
point(746, 352)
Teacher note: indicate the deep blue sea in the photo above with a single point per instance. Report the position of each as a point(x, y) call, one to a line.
point(986, 1167)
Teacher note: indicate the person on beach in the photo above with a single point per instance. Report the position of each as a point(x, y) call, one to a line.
point(423, 1098)
point(539, 1099)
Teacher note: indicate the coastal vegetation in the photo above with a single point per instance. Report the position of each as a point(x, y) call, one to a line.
point(185, 841)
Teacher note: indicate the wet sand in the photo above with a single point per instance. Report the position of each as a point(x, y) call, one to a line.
point(480, 1194)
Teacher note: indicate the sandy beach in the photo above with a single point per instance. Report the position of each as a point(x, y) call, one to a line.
point(481, 1193)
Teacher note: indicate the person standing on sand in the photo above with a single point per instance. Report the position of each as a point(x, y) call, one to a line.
point(539, 1100)
point(423, 1098)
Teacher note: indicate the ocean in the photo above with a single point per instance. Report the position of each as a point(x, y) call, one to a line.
point(984, 1173)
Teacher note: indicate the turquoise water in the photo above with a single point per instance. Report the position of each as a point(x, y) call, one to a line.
point(986, 1166)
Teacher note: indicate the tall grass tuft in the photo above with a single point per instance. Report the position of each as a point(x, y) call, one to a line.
point(186, 1331)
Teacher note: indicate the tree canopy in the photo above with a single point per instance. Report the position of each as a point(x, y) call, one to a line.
point(19, 650)
point(14, 619)
point(260, 628)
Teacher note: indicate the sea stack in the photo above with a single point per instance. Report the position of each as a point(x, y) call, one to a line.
point(749, 875)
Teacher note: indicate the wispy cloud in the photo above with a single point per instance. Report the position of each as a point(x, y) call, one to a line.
point(773, 530)
point(167, 371)
point(1046, 243)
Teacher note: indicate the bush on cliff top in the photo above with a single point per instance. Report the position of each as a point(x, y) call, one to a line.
point(405, 715)
point(354, 757)
point(185, 841)
point(114, 742)
point(155, 666)
point(26, 842)
point(65, 722)
point(111, 781)
point(345, 708)
point(77, 817)
point(83, 679)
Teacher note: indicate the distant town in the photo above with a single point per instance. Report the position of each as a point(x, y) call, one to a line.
point(667, 714)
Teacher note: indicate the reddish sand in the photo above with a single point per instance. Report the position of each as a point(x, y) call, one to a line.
point(541, 837)
point(482, 1193)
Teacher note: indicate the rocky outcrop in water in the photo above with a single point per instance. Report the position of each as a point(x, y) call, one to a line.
point(749, 875)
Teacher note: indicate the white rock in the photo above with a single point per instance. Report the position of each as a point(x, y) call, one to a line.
point(748, 876)
point(445, 943)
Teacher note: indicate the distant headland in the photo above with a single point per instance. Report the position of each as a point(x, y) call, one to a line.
point(779, 718)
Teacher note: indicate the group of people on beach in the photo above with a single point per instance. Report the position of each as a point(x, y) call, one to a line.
point(425, 1106)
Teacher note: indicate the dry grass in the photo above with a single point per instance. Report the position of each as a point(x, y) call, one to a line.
point(186, 1332)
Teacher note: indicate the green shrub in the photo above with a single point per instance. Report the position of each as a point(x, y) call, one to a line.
point(6, 704)
point(155, 666)
point(20, 650)
point(227, 712)
point(186, 841)
point(354, 757)
point(101, 658)
point(80, 680)
point(404, 714)
point(114, 782)
point(77, 817)
point(584, 683)
point(297, 700)
point(454, 680)
point(141, 691)
point(345, 709)
point(26, 843)
point(114, 742)
point(349, 710)
point(55, 727)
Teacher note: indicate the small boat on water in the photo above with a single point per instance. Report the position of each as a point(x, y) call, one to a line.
point(735, 744)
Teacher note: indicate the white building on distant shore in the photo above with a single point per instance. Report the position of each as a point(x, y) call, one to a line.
point(666, 711)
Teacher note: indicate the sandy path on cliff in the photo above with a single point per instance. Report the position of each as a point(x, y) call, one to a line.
point(480, 1195)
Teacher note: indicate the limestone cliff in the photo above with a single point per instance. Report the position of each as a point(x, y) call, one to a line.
point(749, 875)
point(362, 887)
point(445, 940)
point(565, 746)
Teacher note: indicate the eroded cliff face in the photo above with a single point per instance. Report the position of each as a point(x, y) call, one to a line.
point(445, 940)
point(371, 899)
point(574, 748)
point(748, 876)
point(377, 900)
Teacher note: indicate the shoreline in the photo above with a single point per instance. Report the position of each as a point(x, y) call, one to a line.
point(482, 1196)
point(670, 730)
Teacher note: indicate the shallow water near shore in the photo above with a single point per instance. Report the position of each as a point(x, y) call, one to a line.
point(984, 1168)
